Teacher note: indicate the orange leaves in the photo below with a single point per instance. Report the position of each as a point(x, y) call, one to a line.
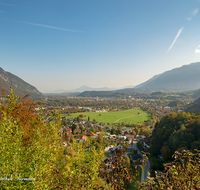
point(22, 112)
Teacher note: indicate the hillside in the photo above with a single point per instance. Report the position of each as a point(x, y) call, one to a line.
point(19, 86)
point(174, 132)
point(184, 78)
point(102, 94)
point(194, 107)
point(196, 94)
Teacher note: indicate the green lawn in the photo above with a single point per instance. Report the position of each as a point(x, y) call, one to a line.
point(115, 117)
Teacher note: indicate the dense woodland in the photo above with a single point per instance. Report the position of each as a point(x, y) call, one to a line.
point(174, 132)
point(194, 107)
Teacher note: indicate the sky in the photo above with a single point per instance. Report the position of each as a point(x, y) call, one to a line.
point(65, 44)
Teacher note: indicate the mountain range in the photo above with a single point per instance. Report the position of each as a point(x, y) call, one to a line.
point(185, 78)
point(180, 79)
point(87, 88)
point(19, 86)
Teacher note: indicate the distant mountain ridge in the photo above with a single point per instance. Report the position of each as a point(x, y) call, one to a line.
point(19, 86)
point(184, 78)
point(87, 88)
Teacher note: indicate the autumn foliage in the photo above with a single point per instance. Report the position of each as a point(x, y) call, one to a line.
point(22, 112)
point(183, 173)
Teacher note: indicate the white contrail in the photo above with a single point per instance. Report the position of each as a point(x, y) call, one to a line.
point(195, 12)
point(9, 5)
point(178, 34)
point(45, 26)
point(197, 50)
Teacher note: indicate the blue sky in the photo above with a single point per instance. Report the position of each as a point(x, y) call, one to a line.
point(64, 44)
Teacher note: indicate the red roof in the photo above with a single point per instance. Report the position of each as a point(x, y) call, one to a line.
point(93, 134)
point(83, 137)
point(68, 129)
point(129, 136)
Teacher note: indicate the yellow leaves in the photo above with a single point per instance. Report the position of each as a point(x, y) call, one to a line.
point(175, 173)
point(33, 149)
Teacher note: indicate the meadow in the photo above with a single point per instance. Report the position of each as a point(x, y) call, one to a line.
point(127, 116)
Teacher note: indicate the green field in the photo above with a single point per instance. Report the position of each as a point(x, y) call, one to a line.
point(128, 116)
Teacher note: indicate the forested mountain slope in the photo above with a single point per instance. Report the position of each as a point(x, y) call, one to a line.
point(194, 107)
point(175, 132)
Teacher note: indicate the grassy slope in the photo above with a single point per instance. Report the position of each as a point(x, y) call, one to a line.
point(111, 117)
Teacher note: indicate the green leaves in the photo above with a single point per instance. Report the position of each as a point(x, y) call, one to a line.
point(32, 149)
point(182, 173)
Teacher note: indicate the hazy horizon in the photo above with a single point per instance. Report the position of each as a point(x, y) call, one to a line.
point(67, 44)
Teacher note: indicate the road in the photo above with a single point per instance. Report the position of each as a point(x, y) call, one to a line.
point(147, 167)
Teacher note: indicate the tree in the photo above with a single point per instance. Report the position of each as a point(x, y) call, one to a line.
point(118, 131)
point(115, 171)
point(182, 173)
point(29, 147)
point(74, 131)
point(165, 153)
point(100, 139)
point(92, 129)
point(74, 127)
point(113, 131)
point(78, 118)
point(32, 149)
point(137, 130)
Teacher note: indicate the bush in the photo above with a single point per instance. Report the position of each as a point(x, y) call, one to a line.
point(183, 173)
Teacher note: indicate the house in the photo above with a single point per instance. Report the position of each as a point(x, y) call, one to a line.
point(83, 122)
point(122, 137)
point(145, 142)
point(137, 158)
point(112, 136)
point(93, 134)
point(64, 143)
point(60, 130)
point(129, 136)
point(115, 148)
point(107, 149)
point(68, 130)
point(140, 137)
point(78, 130)
point(83, 138)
